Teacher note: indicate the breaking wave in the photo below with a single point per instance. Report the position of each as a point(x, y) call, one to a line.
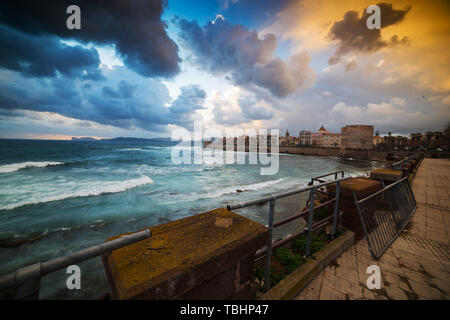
point(87, 191)
point(238, 189)
point(7, 168)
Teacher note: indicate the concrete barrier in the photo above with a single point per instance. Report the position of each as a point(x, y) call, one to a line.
point(205, 256)
point(387, 175)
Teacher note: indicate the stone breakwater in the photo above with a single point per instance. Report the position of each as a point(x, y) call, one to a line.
point(338, 152)
point(359, 154)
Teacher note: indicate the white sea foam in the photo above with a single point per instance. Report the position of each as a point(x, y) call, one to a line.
point(234, 189)
point(91, 189)
point(7, 168)
point(130, 149)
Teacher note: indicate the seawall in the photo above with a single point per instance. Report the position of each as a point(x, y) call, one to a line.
point(334, 152)
point(328, 152)
point(337, 152)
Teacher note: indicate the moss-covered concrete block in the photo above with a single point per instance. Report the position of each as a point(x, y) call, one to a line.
point(386, 175)
point(205, 256)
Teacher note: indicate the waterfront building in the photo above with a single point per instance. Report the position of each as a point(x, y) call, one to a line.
point(357, 137)
point(378, 140)
point(305, 137)
point(325, 139)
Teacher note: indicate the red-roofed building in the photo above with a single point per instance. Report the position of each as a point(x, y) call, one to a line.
point(326, 139)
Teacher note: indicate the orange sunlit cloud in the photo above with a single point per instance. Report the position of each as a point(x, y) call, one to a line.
point(425, 61)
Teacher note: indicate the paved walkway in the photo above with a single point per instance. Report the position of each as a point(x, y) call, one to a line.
point(416, 266)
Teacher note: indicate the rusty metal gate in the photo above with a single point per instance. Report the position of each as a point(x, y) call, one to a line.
point(385, 214)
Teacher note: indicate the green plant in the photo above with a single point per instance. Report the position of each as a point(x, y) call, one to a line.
point(288, 259)
point(299, 245)
point(275, 276)
point(258, 272)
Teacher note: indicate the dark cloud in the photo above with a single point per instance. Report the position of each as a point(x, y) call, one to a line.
point(353, 34)
point(45, 56)
point(190, 99)
point(109, 92)
point(133, 26)
point(125, 100)
point(182, 110)
point(124, 91)
point(222, 47)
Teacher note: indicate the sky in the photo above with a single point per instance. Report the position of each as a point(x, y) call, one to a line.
point(145, 68)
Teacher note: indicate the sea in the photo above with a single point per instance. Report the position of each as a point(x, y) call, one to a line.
point(58, 197)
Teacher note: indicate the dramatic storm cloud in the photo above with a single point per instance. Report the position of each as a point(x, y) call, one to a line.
point(45, 56)
point(123, 99)
point(353, 34)
point(133, 26)
point(222, 47)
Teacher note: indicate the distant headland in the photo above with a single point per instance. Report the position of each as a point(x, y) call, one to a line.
point(124, 139)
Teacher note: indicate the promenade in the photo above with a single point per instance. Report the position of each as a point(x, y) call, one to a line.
point(416, 266)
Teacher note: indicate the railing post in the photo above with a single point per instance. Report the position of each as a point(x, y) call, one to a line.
point(363, 223)
point(336, 209)
point(29, 278)
point(269, 245)
point(412, 193)
point(310, 220)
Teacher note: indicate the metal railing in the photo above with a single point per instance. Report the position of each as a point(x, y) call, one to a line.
point(384, 214)
point(320, 180)
point(398, 165)
point(309, 228)
point(28, 278)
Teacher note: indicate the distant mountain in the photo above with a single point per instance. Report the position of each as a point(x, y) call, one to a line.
point(126, 139)
point(84, 139)
point(131, 139)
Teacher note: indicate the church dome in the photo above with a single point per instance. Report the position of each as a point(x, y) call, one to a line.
point(323, 130)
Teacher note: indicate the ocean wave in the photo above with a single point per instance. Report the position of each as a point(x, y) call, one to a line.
point(7, 168)
point(146, 148)
point(130, 149)
point(242, 188)
point(88, 191)
point(168, 170)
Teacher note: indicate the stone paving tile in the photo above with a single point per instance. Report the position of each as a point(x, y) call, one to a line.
point(416, 266)
point(329, 293)
point(312, 291)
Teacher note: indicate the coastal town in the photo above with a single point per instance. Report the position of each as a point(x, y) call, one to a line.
point(430, 140)
point(348, 143)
